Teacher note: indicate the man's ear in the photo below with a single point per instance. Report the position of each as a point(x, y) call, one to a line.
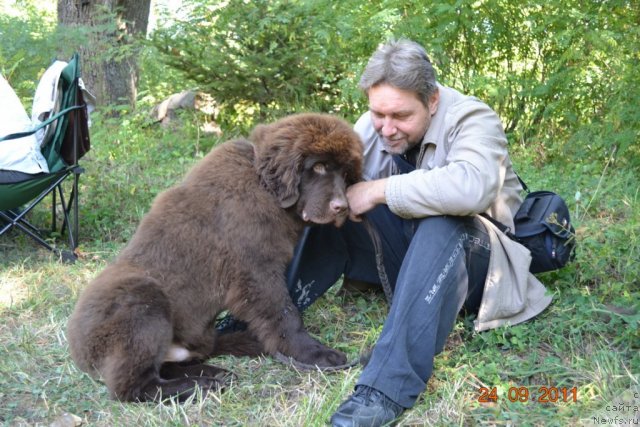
point(434, 101)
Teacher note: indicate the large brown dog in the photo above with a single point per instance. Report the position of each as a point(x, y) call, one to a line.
point(219, 240)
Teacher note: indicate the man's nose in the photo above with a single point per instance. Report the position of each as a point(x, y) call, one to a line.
point(388, 127)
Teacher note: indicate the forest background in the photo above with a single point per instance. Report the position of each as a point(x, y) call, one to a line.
point(562, 75)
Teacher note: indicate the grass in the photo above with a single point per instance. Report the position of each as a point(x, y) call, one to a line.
point(587, 339)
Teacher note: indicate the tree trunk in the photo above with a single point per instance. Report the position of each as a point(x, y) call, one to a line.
point(107, 50)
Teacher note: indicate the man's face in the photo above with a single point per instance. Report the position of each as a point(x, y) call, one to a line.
point(399, 117)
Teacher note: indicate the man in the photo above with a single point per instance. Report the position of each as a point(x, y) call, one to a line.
point(434, 160)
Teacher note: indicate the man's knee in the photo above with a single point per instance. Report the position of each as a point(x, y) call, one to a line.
point(438, 230)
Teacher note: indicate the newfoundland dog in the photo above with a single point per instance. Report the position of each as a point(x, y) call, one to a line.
point(220, 240)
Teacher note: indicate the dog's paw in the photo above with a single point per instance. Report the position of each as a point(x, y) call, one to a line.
point(327, 357)
point(310, 352)
point(288, 360)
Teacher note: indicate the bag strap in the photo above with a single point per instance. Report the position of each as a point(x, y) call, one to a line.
point(382, 272)
point(505, 229)
point(524, 186)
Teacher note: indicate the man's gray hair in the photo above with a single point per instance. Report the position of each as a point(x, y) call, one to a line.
point(403, 64)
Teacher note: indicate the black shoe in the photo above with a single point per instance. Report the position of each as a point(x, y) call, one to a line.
point(367, 407)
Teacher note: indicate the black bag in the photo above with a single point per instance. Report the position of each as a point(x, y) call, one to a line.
point(543, 225)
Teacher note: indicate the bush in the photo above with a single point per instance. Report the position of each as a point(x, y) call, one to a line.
point(29, 52)
point(262, 58)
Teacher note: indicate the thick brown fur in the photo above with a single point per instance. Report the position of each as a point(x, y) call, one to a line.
point(219, 240)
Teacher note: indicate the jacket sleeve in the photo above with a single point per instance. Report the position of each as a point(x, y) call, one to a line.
point(472, 174)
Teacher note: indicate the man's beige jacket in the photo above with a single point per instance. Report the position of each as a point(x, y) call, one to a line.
point(464, 169)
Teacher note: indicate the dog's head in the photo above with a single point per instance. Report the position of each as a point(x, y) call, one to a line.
point(307, 161)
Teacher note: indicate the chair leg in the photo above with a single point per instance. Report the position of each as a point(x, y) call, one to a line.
point(65, 223)
point(76, 205)
point(71, 208)
point(54, 218)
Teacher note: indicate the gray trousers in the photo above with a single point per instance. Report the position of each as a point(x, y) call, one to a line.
point(437, 266)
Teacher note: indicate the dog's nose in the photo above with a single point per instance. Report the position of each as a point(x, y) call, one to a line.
point(338, 205)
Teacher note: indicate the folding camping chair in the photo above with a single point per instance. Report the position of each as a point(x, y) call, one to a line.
point(66, 140)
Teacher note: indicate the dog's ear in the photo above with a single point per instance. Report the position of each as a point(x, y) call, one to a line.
point(278, 163)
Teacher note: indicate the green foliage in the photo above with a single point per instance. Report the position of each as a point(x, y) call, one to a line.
point(29, 51)
point(35, 42)
point(260, 57)
point(556, 74)
point(552, 72)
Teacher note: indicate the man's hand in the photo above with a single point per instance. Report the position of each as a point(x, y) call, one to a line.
point(364, 196)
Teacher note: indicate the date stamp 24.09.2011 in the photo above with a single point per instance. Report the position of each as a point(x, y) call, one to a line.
point(539, 394)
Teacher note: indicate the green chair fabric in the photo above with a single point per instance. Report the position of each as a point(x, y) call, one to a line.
point(68, 142)
point(17, 194)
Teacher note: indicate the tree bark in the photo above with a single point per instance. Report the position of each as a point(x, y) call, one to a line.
point(107, 50)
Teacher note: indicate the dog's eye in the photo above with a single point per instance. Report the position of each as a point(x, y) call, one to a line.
point(320, 168)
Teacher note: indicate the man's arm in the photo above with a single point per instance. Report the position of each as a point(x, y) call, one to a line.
point(364, 196)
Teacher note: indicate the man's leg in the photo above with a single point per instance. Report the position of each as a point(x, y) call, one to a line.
point(430, 291)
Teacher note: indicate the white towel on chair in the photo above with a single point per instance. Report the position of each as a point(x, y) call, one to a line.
point(22, 154)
